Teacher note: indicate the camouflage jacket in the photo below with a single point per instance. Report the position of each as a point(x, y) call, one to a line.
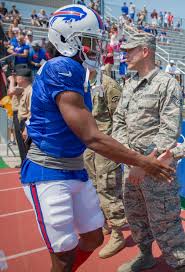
point(105, 101)
point(149, 113)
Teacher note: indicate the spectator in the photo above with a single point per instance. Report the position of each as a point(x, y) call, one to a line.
point(144, 14)
point(20, 89)
point(154, 16)
point(20, 51)
point(171, 68)
point(123, 65)
point(37, 56)
point(1, 16)
point(34, 18)
point(81, 2)
point(124, 9)
point(108, 59)
point(154, 30)
point(43, 42)
point(163, 37)
point(43, 18)
point(161, 19)
point(177, 26)
point(97, 6)
point(140, 18)
point(147, 29)
point(3, 10)
point(14, 27)
point(12, 39)
point(29, 38)
point(114, 37)
point(165, 19)
point(14, 13)
point(91, 4)
point(170, 20)
point(132, 10)
point(158, 64)
point(107, 24)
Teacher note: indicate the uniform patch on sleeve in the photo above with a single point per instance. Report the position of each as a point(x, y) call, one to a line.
point(115, 98)
point(178, 101)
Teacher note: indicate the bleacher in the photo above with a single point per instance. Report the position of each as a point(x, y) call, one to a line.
point(175, 49)
point(38, 32)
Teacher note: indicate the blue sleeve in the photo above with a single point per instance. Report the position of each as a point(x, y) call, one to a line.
point(60, 77)
point(26, 47)
point(43, 55)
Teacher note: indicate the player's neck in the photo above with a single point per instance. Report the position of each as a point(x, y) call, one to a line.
point(77, 58)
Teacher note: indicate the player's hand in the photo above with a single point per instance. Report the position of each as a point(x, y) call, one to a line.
point(136, 175)
point(166, 157)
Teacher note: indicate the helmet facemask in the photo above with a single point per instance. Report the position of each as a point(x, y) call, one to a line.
point(90, 49)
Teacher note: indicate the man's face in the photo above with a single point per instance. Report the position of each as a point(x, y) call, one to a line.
point(134, 58)
point(20, 81)
point(21, 40)
point(92, 47)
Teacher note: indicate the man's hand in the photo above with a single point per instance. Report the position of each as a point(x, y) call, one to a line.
point(166, 158)
point(157, 169)
point(11, 78)
point(136, 175)
point(24, 134)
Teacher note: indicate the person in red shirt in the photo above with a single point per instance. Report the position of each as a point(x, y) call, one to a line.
point(108, 59)
point(170, 20)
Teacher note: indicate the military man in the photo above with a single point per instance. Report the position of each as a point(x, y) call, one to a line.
point(148, 117)
point(106, 175)
point(21, 89)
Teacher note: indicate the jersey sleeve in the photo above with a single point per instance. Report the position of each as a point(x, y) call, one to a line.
point(60, 77)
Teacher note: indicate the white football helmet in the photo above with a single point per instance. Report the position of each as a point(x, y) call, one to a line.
point(76, 29)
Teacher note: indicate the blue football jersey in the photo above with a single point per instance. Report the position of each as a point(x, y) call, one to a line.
point(47, 127)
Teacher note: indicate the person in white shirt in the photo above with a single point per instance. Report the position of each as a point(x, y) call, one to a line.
point(171, 68)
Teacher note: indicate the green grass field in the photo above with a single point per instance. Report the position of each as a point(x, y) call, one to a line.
point(3, 164)
point(183, 203)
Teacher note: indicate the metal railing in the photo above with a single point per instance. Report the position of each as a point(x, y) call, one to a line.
point(181, 64)
point(6, 57)
point(167, 59)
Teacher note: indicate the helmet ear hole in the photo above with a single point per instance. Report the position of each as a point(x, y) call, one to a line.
point(62, 39)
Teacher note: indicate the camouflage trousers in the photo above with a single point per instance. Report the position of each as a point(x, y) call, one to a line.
point(107, 179)
point(153, 213)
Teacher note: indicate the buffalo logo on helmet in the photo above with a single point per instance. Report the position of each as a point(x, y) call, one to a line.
point(69, 14)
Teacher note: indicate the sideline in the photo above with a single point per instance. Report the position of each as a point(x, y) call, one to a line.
point(10, 189)
point(24, 253)
point(15, 213)
point(7, 173)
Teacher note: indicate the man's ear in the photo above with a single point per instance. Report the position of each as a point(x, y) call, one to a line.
point(145, 51)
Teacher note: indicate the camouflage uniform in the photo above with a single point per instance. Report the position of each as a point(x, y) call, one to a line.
point(179, 151)
point(106, 175)
point(149, 115)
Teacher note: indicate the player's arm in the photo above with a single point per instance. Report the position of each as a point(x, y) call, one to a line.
point(81, 122)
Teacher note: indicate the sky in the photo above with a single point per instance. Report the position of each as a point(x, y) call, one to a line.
point(177, 7)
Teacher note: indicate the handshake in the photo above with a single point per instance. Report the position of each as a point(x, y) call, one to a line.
point(137, 174)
